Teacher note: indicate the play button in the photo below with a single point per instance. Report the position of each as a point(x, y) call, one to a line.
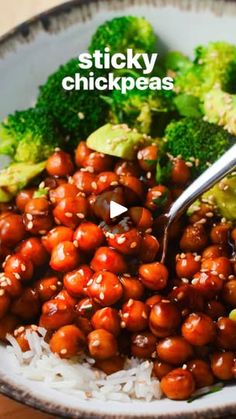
point(116, 209)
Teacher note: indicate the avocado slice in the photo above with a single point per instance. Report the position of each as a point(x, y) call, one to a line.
point(118, 140)
point(223, 195)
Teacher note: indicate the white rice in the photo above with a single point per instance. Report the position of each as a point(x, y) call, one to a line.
point(77, 377)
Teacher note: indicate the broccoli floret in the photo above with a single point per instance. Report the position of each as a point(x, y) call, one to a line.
point(197, 141)
point(124, 32)
point(17, 176)
point(77, 113)
point(141, 109)
point(28, 136)
point(220, 108)
point(176, 62)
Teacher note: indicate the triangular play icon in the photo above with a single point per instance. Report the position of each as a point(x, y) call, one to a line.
point(116, 209)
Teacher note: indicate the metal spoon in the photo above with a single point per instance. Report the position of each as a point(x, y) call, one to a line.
point(205, 181)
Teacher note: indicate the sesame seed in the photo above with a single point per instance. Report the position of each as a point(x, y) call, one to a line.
point(209, 214)
point(189, 164)
point(30, 225)
point(34, 327)
point(154, 354)
point(101, 295)
point(63, 351)
point(53, 287)
point(221, 276)
point(121, 239)
point(114, 183)
point(144, 315)
point(17, 275)
point(148, 231)
point(42, 232)
point(197, 258)
point(194, 281)
point(94, 185)
point(95, 343)
point(80, 215)
point(68, 214)
point(185, 280)
point(231, 277)
point(90, 282)
point(125, 315)
point(123, 325)
point(133, 245)
point(130, 302)
point(75, 243)
point(81, 115)
point(148, 175)
point(99, 279)
point(127, 275)
point(23, 267)
point(2, 292)
point(29, 217)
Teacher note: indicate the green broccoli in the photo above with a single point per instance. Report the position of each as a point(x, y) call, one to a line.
point(17, 176)
point(77, 113)
point(223, 197)
point(197, 141)
point(176, 62)
point(124, 32)
point(140, 109)
point(28, 136)
point(220, 108)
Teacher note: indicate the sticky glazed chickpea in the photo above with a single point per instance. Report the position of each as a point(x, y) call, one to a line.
point(48, 287)
point(132, 288)
point(8, 324)
point(221, 265)
point(226, 333)
point(105, 287)
point(64, 257)
point(143, 344)
point(87, 307)
point(23, 197)
point(66, 190)
point(32, 249)
point(154, 299)
point(187, 297)
point(215, 309)
point(229, 292)
point(180, 172)
point(81, 153)
point(55, 314)
point(220, 233)
point(201, 372)
point(84, 181)
point(71, 211)
point(141, 217)
point(27, 305)
point(66, 297)
point(178, 384)
point(102, 344)
point(98, 161)
point(134, 315)
point(199, 329)
point(105, 180)
point(88, 236)
point(133, 189)
point(149, 248)
point(208, 283)
point(12, 229)
point(154, 275)
point(10, 284)
point(147, 157)
point(127, 168)
point(67, 341)
point(158, 198)
point(213, 251)
point(161, 369)
point(21, 267)
point(57, 235)
point(107, 318)
point(174, 350)
point(127, 243)
point(111, 365)
point(164, 319)
point(187, 264)
point(59, 164)
point(106, 258)
point(194, 238)
point(222, 364)
point(37, 216)
point(76, 281)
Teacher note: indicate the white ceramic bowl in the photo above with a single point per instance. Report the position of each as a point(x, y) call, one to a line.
point(28, 54)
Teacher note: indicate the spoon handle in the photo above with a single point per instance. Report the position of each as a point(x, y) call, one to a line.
point(212, 175)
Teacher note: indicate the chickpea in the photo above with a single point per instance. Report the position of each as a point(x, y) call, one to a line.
point(222, 364)
point(109, 259)
point(21, 267)
point(67, 298)
point(133, 189)
point(147, 158)
point(229, 292)
point(57, 235)
point(178, 384)
point(48, 287)
point(202, 212)
point(107, 318)
point(199, 329)
point(11, 284)
point(160, 369)
point(37, 216)
point(59, 164)
point(220, 265)
point(20, 336)
point(76, 281)
point(213, 251)
point(154, 275)
point(105, 287)
point(134, 315)
point(81, 153)
point(88, 236)
point(71, 211)
point(27, 306)
point(154, 299)
point(55, 314)
point(158, 198)
point(98, 161)
point(143, 344)
point(67, 341)
point(32, 249)
point(201, 372)
point(87, 307)
point(4, 303)
point(215, 309)
point(187, 265)
point(207, 283)
point(187, 298)
point(220, 233)
point(106, 180)
point(128, 243)
point(64, 257)
point(226, 333)
point(111, 365)
point(180, 172)
point(8, 324)
point(149, 248)
point(102, 344)
point(141, 217)
point(132, 288)
point(194, 238)
point(23, 197)
point(83, 324)
point(127, 168)
point(174, 350)
point(101, 205)
point(164, 318)
point(12, 229)
point(84, 181)
point(66, 190)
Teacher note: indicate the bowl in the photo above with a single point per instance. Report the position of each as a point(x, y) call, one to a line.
point(28, 54)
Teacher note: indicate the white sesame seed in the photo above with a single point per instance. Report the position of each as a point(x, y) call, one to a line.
point(68, 214)
point(80, 215)
point(75, 243)
point(125, 315)
point(90, 282)
point(144, 315)
point(197, 258)
point(101, 295)
point(123, 325)
point(94, 185)
point(130, 302)
point(121, 239)
point(95, 343)
point(29, 217)
point(63, 351)
point(53, 287)
point(30, 225)
point(114, 183)
point(99, 279)
point(133, 245)
point(2, 292)
point(23, 267)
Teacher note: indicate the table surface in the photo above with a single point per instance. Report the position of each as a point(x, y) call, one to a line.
point(13, 12)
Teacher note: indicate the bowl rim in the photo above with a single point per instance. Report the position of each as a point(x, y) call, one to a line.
point(22, 32)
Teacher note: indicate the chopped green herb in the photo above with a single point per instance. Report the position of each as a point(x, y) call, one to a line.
point(207, 391)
